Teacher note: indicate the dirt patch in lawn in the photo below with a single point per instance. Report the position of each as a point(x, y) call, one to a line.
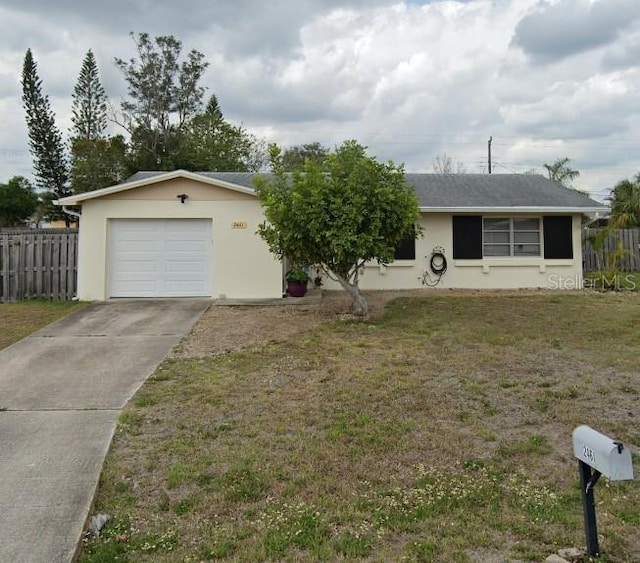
point(226, 328)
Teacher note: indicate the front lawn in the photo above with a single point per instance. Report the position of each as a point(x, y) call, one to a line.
point(611, 280)
point(440, 431)
point(23, 318)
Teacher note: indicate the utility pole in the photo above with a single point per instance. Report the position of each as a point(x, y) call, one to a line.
point(489, 143)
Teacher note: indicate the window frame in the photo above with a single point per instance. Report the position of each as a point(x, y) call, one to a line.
point(512, 245)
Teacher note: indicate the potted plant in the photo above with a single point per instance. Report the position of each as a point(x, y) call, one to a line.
point(297, 280)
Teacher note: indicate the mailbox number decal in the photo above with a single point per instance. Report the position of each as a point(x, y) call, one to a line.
point(587, 454)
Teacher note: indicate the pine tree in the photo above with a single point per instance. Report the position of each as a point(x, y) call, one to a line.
point(45, 140)
point(89, 102)
point(97, 161)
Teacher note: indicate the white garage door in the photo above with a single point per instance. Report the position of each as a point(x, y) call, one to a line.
point(160, 257)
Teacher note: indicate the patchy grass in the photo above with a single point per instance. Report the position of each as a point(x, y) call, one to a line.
point(439, 431)
point(632, 281)
point(23, 318)
point(613, 281)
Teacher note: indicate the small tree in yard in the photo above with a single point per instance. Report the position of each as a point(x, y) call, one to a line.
point(18, 201)
point(338, 215)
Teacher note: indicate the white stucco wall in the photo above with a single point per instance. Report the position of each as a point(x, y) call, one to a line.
point(242, 266)
point(487, 273)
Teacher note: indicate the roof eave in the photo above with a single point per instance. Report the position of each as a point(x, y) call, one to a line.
point(79, 198)
point(512, 209)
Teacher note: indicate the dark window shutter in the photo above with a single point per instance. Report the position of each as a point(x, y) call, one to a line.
point(558, 236)
point(406, 250)
point(467, 237)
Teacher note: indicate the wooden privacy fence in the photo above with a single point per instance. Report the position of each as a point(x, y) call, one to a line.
point(630, 239)
point(38, 263)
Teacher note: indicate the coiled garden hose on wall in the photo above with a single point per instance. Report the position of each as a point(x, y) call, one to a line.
point(437, 265)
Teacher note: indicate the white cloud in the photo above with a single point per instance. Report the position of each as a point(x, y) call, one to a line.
point(553, 31)
point(410, 80)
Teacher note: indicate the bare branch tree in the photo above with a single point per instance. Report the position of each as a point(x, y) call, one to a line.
point(443, 164)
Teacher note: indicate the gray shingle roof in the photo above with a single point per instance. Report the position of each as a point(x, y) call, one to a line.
point(495, 190)
point(447, 191)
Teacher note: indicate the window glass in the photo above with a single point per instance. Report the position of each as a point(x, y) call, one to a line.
point(526, 224)
point(526, 237)
point(526, 250)
point(510, 236)
point(497, 250)
point(496, 224)
point(496, 237)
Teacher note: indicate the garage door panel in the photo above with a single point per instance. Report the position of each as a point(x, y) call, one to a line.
point(185, 288)
point(185, 246)
point(184, 226)
point(190, 256)
point(143, 226)
point(160, 257)
point(185, 266)
point(148, 277)
point(131, 245)
point(140, 287)
point(142, 267)
point(137, 256)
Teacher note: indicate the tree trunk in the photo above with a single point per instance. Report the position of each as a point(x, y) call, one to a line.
point(360, 305)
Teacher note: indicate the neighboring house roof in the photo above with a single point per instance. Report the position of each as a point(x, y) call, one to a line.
point(436, 192)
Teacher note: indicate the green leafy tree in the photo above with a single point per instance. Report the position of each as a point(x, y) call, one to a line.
point(164, 94)
point(213, 144)
point(294, 157)
point(560, 172)
point(45, 140)
point(625, 203)
point(98, 163)
point(338, 216)
point(18, 202)
point(89, 107)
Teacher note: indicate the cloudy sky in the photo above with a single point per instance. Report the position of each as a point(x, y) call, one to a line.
point(412, 79)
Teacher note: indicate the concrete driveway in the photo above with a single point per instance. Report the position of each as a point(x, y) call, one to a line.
point(61, 390)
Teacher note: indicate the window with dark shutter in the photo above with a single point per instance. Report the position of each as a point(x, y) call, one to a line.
point(467, 237)
point(406, 250)
point(558, 236)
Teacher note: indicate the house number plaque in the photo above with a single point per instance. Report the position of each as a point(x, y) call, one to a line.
point(238, 224)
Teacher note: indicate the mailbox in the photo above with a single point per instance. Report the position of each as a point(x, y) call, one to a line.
point(603, 454)
point(597, 455)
